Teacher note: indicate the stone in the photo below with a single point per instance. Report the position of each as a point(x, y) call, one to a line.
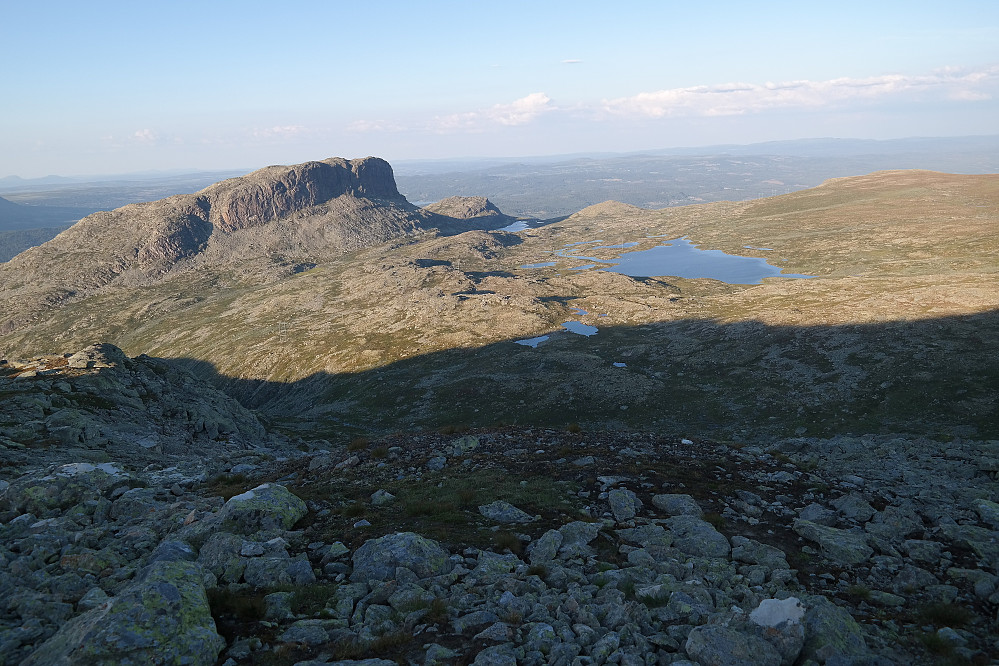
point(382, 497)
point(545, 548)
point(926, 552)
point(575, 538)
point(716, 645)
point(831, 630)
point(624, 504)
point(772, 612)
point(267, 507)
point(647, 535)
point(677, 505)
point(377, 559)
point(696, 537)
point(272, 571)
point(753, 552)
point(818, 514)
point(305, 632)
point(221, 556)
point(855, 507)
point(497, 655)
point(504, 512)
point(844, 547)
point(162, 617)
point(988, 511)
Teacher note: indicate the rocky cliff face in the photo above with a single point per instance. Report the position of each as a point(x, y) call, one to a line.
point(276, 192)
point(303, 213)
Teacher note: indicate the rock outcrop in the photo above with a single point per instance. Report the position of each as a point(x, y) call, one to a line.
point(128, 562)
point(466, 208)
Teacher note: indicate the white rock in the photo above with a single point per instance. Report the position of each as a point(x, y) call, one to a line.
point(772, 612)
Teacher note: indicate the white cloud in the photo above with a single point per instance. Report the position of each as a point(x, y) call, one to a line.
point(279, 131)
point(518, 112)
point(740, 98)
point(144, 136)
point(374, 126)
point(571, 61)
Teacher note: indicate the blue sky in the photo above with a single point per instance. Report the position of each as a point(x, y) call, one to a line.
point(114, 87)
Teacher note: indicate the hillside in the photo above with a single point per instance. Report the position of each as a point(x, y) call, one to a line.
point(419, 330)
point(145, 517)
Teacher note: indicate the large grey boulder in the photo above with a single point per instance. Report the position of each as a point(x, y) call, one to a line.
point(677, 505)
point(504, 512)
point(575, 538)
point(829, 631)
point(715, 645)
point(696, 537)
point(161, 618)
point(266, 507)
point(844, 547)
point(378, 558)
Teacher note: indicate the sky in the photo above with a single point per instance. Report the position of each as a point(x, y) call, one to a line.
point(101, 87)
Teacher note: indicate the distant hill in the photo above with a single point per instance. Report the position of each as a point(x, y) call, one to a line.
point(16, 216)
point(547, 187)
point(22, 227)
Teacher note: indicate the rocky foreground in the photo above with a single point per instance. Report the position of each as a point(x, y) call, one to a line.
point(148, 519)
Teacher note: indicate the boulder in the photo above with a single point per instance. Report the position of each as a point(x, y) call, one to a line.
point(677, 505)
point(266, 507)
point(378, 558)
point(161, 618)
point(715, 645)
point(697, 538)
point(504, 512)
point(624, 504)
point(844, 547)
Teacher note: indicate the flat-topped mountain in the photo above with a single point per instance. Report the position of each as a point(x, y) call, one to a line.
point(272, 222)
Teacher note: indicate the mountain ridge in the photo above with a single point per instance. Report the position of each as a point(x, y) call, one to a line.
point(292, 216)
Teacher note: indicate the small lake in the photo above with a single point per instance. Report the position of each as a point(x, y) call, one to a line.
point(682, 258)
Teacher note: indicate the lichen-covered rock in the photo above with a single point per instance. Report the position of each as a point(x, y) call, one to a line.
point(504, 512)
point(829, 629)
point(677, 505)
point(694, 536)
point(274, 571)
point(220, 555)
point(575, 537)
point(63, 487)
point(753, 552)
point(378, 558)
point(844, 547)
point(162, 618)
point(624, 504)
point(715, 645)
point(267, 507)
point(545, 548)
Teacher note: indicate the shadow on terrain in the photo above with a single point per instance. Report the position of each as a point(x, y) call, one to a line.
point(933, 377)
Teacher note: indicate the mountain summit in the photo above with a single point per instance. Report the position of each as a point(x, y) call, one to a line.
point(273, 221)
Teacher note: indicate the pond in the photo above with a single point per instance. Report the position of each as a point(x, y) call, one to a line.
point(680, 257)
